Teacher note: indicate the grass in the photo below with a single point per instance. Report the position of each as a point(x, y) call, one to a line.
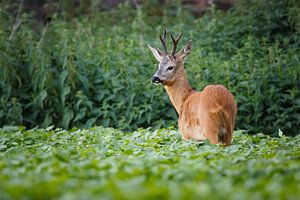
point(104, 163)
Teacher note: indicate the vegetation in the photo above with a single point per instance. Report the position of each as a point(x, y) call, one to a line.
point(90, 66)
point(96, 68)
point(110, 164)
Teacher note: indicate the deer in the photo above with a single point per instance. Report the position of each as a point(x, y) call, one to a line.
point(207, 114)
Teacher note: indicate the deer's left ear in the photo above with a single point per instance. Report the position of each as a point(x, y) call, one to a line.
point(158, 54)
point(185, 50)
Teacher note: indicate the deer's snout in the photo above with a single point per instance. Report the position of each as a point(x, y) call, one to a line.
point(156, 79)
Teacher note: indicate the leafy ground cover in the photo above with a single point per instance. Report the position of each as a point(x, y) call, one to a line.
point(144, 164)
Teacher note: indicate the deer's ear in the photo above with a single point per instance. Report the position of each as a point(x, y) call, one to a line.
point(158, 54)
point(185, 50)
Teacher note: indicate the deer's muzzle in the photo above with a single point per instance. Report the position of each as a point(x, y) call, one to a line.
point(156, 79)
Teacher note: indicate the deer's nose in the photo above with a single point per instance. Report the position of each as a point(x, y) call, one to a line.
point(156, 79)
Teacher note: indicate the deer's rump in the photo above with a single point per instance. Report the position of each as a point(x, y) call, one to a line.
point(209, 114)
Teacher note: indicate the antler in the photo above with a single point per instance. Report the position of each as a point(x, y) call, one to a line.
point(163, 40)
point(175, 41)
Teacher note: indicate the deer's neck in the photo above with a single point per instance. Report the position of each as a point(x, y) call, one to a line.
point(179, 91)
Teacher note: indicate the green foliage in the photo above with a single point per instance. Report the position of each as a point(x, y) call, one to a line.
point(110, 164)
point(96, 69)
point(256, 55)
point(78, 75)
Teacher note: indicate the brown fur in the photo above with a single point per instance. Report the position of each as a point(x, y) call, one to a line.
point(209, 114)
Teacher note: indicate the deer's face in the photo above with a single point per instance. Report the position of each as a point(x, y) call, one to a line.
point(170, 65)
point(166, 73)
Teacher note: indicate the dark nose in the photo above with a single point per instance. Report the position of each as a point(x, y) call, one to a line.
point(156, 79)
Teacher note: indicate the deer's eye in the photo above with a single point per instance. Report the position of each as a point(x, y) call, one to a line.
point(170, 68)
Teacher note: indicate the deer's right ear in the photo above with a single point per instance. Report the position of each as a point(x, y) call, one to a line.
point(186, 50)
point(158, 54)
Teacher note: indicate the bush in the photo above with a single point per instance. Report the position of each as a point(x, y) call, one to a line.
point(78, 74)
point(254, 50)
point(96, 69)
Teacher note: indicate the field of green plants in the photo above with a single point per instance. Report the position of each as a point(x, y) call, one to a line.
point(105, 163)
point(80, 118)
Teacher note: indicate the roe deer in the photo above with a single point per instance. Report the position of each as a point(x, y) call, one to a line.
point(208, 114)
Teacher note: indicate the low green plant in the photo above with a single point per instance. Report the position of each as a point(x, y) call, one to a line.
point(110, 164)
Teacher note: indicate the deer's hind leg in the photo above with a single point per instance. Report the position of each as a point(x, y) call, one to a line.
point(211, 133)
point(215, 130)
point(218, 135)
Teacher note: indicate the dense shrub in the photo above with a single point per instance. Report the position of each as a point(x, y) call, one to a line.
point(254, 50)
point(96, 69)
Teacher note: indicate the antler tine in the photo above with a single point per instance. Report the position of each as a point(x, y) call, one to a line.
point(175, 42)
point(163, 38)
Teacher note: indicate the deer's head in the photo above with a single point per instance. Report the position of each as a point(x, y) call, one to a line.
point(170, 65)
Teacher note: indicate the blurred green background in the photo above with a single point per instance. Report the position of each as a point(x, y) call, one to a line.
point(84, 63)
